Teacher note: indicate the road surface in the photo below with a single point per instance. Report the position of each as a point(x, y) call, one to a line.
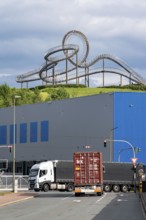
point(65, 206)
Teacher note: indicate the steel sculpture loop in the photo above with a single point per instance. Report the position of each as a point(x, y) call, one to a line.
point(73, 54)
point(85, 49)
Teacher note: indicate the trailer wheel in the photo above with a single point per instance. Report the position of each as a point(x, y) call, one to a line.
point(77, 194)
point(70, 187)
point(116, 188)
point(99, 194)
point(124, 188)
point(107, 188)
point(46, 187)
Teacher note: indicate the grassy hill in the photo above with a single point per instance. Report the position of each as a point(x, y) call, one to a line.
point(78, 92)
point(57, 92)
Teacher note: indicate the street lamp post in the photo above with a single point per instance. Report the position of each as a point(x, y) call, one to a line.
point(120, 151)
point(124, 142)
point(111, 147)
point(14, 143)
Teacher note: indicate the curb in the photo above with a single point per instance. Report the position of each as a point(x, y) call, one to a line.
point(15, 201)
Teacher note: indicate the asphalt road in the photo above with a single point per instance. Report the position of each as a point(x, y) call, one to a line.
point(65, 206)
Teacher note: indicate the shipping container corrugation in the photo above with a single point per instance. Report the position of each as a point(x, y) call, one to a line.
point(88, 168)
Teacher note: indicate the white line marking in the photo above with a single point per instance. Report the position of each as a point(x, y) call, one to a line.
point(67, 197)
point(98, 200)
point(77, 200)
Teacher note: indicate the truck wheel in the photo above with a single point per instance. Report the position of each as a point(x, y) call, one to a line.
point(70, 187)
point(116, 188)
point(36, 190)
point(107, 188)
point(46, 187)
point(124, 188)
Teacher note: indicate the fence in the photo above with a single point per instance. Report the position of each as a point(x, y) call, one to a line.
point(6, 182)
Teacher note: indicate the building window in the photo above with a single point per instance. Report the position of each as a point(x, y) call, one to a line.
point(44, 131)
point(33, 131)
point(23, 133)
point(3, 134)
point(12, 134)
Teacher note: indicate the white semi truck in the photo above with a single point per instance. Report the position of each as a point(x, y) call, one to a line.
point(52, 175)
point(59, 175)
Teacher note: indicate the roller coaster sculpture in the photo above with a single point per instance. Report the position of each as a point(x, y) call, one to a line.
point(68, 62)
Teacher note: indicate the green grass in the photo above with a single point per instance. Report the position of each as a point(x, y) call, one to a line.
point(92, 91)
point(78, 92)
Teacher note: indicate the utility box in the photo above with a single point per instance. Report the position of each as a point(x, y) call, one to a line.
point(88, 173)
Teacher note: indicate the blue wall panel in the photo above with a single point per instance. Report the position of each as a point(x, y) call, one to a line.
point(23, 133)
point(12, 134)
point(130, 120)
point(44, 131)
point(3, 134)
point(33, 132)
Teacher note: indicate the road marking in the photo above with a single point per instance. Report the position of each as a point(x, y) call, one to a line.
point(98, 200)
point(77, 200)
point(121, 200)
point(67, 197)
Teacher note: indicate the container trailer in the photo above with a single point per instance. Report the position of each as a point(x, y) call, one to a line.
point(88, 173)
point(121, 176)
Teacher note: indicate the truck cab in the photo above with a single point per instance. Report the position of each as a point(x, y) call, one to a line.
point(52, 175)
point(40, 174)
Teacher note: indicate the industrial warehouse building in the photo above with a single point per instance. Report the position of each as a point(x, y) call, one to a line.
point(55, 130)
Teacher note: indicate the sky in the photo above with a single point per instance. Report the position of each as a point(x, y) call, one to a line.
point(30, 27)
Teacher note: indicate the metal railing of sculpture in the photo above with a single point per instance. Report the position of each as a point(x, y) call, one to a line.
point(73, 59)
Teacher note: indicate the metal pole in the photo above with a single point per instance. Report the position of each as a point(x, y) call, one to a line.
point(120, 151)
point(14, 145)
point(124, 142)
point(14, 149)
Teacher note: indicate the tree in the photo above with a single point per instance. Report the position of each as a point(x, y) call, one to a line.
point(58, 94)
point(5, 95)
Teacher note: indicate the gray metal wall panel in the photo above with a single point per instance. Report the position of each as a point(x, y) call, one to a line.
point(73, 123)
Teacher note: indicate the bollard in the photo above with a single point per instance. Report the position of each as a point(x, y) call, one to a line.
point(140, 186)
point(16, 185)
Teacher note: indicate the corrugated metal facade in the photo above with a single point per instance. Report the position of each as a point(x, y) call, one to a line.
point(130, 125)
point(57, 129)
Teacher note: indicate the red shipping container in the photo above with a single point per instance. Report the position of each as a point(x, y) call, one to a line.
point(88, 168)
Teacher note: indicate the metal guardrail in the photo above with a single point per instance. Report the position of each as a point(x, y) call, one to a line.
point(6, 182)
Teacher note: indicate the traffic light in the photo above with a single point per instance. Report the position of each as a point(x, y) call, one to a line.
point(10, 148)
point(137, 149)
point(104, 143)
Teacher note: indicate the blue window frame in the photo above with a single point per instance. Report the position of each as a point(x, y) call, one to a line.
point(23, 133)
point(12, 134)
point(3, 134)
point(44, 131)
point(33, 131)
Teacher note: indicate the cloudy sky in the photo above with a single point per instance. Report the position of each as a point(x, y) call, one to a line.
point(30, 27)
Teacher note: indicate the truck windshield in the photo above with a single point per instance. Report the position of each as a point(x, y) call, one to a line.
point(33, 172)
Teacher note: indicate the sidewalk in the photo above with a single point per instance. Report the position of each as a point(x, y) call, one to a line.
point(10, 197)
point(142, 197)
